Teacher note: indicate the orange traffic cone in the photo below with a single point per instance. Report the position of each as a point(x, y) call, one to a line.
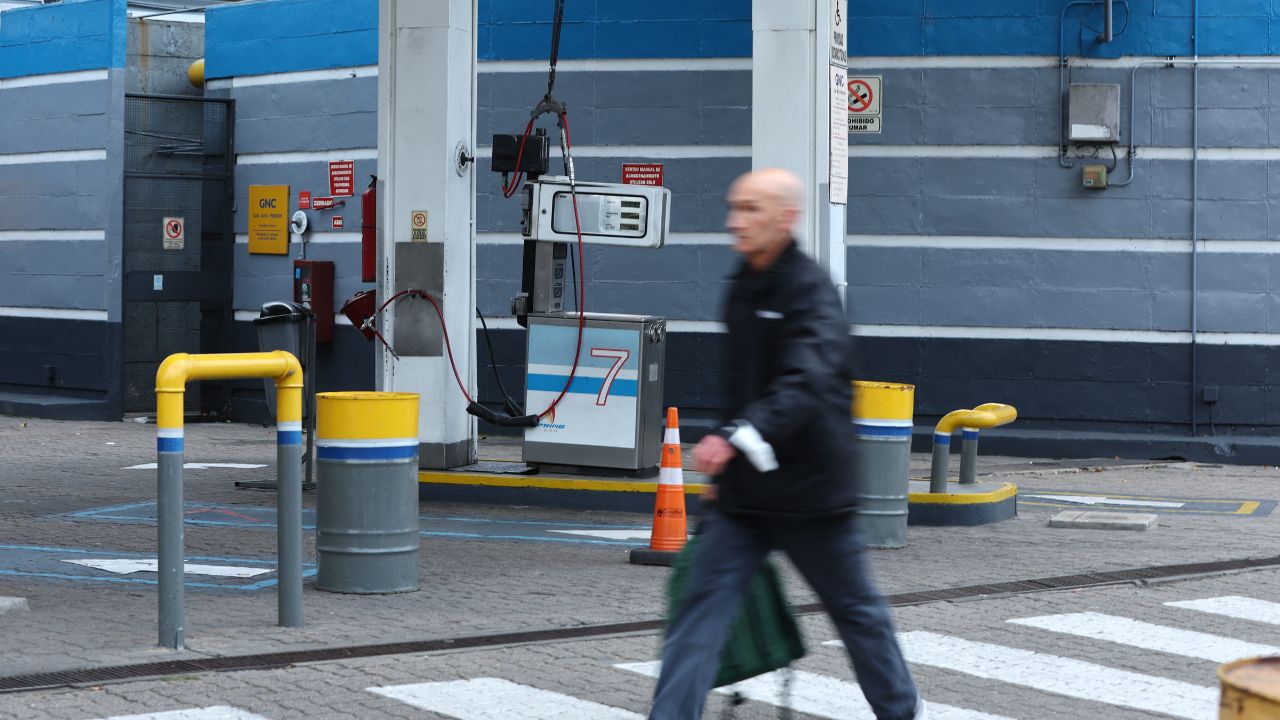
point(670, 527)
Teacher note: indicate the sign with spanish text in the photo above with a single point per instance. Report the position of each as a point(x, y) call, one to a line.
point(175, 233)
point(304, 200)
point(322, 203)
point(642, 174)
point(269, 219)
point(864, 104)
point(338, 222)
point(342, 178)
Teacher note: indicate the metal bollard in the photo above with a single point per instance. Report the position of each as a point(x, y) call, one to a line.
point(988, 415)
point(882, 421)
point(171, 382)
point(367, 492)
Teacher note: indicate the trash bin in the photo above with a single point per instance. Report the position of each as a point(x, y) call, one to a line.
point(882, 418)
point(286, 326)
point(367, 492)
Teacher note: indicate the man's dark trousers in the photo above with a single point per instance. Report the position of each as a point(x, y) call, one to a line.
point(828, 552)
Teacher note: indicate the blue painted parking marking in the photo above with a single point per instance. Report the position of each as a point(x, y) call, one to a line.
point(475, 528)
point(61, 563)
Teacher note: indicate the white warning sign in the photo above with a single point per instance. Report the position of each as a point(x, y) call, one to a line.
point(175, 233)
point(864, 104)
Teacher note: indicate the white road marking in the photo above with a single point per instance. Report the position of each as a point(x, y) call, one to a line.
point(201, 466)
point(497, 699)
point(1241, 608)
point(1059, 675)
point(216, 712)
point(10, 603)
point(1095, 500)
point(814, 694)
point(125, 566)
point(1124, 631)
point(608, 534)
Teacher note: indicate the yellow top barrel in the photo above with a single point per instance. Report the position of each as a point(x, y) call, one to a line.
point(1250, 689)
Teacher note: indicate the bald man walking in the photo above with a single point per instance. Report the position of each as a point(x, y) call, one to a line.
point(781, 465)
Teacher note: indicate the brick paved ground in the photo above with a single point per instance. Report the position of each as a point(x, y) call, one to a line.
point(49, 469)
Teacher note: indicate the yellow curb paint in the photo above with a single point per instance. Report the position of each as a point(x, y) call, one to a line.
point(1005, 492)
point(547, 483)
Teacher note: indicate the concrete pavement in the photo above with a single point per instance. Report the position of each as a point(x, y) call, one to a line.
point(66, 493)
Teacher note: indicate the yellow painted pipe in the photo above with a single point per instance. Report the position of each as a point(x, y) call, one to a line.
point(987, 415)
point(179, 369)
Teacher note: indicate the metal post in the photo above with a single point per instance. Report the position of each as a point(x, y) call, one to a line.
point(169, 456)
point(969, 457)
point(941, 459)
point(289, 512)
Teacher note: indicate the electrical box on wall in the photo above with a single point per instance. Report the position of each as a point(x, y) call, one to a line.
point(1095, 177)
point(1093, 113)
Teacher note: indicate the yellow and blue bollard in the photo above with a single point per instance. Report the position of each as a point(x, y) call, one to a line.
point(171, 383)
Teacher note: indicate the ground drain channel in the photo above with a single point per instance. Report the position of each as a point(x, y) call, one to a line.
point(267, 661)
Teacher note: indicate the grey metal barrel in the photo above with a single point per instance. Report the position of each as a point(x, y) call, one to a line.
point(882, 418)
point(367, 492)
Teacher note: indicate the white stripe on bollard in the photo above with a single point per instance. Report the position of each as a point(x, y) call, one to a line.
point(1135, 633)
point(497, 699)
point(1062, 676)
point(816, 695)
point(1234, 606)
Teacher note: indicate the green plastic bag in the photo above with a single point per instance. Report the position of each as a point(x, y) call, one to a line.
point(764, 636)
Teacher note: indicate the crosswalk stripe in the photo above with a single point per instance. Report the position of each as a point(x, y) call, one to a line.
point(1059, 675)
point(814, 694)
point(1234, 606)
point(1125, 631)
point(216, 712)
point(497, 699)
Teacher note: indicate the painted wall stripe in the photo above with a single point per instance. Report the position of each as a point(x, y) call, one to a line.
point(1148, 636)
point(1061, 676)
point(1241, 608)
point(213, 712)
point(1041, 152)
point(53, 79)
point(319, 238)
point(915, 62)
point(814, 694)
point(284, 158)
point(673, 152)
point(686, 238)
point(52, 157)
point(1144, 245)
point(289, 78)
point(50, 235)
point(251, 315)
point(1067, 334)
point(53, 313)
point(497, 699)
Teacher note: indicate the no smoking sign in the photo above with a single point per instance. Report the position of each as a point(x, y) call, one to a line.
point(175, 233)
point(864, 104)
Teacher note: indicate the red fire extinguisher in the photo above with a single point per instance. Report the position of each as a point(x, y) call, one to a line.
point(369, 231)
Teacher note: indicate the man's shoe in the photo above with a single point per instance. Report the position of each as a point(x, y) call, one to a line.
point(922, 710)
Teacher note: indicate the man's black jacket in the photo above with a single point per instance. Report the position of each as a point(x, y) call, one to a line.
point(789, 362)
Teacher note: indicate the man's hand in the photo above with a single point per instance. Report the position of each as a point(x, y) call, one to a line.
point(712, 454)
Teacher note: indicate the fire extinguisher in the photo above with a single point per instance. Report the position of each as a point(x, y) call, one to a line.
point(369, 231)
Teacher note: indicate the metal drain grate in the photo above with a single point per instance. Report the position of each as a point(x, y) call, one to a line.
point(266, 661)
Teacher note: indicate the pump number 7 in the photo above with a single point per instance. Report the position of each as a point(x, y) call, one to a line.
point(620, 358)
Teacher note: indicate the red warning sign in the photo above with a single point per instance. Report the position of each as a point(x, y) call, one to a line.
point(338, 222)
point(642, 174)
point(342, 178)
point(304, 199)
point(322, 203)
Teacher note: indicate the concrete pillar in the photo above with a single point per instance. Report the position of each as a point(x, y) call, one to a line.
point(426, 113)
point(791, 116)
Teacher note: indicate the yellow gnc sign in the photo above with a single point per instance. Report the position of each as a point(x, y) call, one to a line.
point(269, 219)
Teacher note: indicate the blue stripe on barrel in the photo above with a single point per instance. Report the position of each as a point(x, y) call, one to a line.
point(395, 452)
point(881, 431)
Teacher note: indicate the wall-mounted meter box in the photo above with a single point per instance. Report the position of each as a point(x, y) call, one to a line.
point(1093, 113)
point(627, 215)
